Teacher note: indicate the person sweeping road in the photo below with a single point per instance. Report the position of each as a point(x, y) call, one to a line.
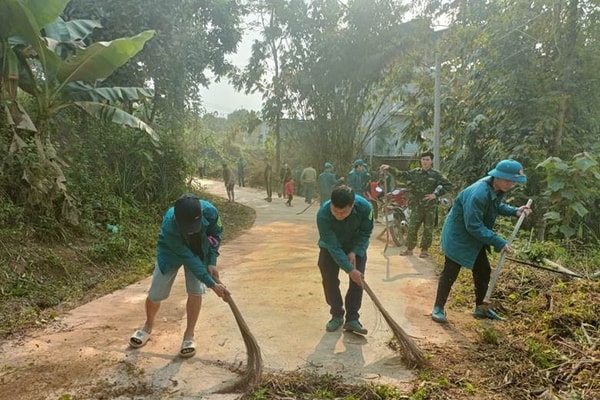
point(467, 234)
point(190, 235)
point(345, 224)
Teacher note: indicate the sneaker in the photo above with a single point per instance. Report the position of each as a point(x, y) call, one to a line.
point(424, 254)
point(438, 315)
point(489, 314)
point(407, 252)
point(356, 327)
point(334, 324)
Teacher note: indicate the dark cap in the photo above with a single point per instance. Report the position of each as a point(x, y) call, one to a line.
point(188, 213)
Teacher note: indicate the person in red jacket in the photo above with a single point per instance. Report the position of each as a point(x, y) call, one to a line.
point(289, 192)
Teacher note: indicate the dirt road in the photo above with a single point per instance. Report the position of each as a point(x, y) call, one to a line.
point(272, 274)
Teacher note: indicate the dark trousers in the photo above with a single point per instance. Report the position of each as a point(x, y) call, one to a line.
point(481, 279)
point(331, 285)
point(268, 187)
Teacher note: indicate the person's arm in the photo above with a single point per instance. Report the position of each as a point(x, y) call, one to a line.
point(447, 186)
point(214, 233)
point(365, 230)
point(507, 210)
point(396, 173)
point(329, 241)
point(473, 212)
point(175, 244)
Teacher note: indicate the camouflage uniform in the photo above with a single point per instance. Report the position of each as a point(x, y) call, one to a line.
point(421, 182)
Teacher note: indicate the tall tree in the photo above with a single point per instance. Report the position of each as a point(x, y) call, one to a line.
point(520, 82)
point(191, 44)
point(332, 60)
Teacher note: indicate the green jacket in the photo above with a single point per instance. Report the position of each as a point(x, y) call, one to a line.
point(420, 183)
point(174, 248)
point(468, 225)
point(352, 234)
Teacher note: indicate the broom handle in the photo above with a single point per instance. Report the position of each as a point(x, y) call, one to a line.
point(492, 284)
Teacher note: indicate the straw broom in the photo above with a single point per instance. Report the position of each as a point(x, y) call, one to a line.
point(254, 364)
point(411, 353)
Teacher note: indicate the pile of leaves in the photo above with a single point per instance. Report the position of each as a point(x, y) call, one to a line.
point(548, 348)
point(305, 385)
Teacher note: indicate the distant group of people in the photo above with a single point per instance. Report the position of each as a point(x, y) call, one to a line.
point(191, 231)
point(306, 182)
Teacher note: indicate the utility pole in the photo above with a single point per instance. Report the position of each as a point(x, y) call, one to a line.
point(436, 115)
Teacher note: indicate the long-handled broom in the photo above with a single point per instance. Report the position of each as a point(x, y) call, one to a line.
point(487, 301)
point(411, 352)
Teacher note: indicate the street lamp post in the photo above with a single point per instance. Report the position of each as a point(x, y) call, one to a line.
point(436, 114)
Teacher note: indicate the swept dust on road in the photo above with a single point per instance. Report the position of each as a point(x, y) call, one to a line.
point(272, 274)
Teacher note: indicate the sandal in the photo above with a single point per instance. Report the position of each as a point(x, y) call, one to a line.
point(188, 348)
point(139, 339)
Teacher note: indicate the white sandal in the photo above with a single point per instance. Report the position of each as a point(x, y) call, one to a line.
point(188, 348)
point(139, 339)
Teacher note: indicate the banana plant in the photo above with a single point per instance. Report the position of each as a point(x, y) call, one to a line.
point(48, 59)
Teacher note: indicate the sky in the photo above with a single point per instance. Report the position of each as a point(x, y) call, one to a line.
point(221, 97)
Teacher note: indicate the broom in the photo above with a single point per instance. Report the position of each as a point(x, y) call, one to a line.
point(254, 364)
point(411, 353)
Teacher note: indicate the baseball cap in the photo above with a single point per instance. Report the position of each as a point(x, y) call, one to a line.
point(510, 170)
point(328, 165)
point(188, 213)
point(359, 162)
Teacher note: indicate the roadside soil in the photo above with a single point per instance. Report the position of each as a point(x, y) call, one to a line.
point(272, 274)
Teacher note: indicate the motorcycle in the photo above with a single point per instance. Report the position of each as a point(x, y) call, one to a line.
point(397, 211)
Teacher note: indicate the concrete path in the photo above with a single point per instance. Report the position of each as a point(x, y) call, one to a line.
point(272, 274)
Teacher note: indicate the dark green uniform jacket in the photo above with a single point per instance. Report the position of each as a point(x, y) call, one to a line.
point(352, 234)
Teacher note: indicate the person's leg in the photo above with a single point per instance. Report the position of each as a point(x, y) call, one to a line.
point(481, 276)
point(192, 308)
point(310, 193)
point(428, 222)
point(160, 288)
point(354, 294)
point(195, 290)
point(447, 279)
point(416, 219)
point(375, 207)
point(269, 189)
point(331, 283)
point(151, 312)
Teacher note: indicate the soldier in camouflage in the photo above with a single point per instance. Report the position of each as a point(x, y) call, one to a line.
point(421, 183)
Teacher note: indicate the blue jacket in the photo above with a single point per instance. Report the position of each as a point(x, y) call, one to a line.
point(349, 235)
point(174, 249)
point(358, 181)
point(327, 181)
point(468, 226)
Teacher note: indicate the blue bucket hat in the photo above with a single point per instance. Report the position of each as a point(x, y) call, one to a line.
point(328, 165)
point(510, 170)
point(359, 162)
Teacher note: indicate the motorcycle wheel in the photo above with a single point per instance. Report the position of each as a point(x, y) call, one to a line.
point(399, 229)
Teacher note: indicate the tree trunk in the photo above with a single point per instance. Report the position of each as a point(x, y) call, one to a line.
point(565, 79)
